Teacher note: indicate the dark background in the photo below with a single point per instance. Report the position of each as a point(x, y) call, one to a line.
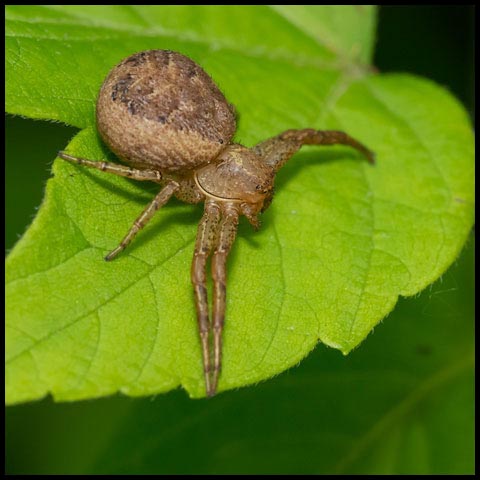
point(433, 41)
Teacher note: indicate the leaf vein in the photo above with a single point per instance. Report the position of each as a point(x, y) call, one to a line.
point(95, 309)
point(282, 300)
point(95, 352)
point(296, 59)
point(154, 339)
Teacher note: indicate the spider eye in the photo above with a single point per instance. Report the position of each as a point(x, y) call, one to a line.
point(264, 189)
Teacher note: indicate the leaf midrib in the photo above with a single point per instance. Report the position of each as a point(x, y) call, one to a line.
point(342, 61)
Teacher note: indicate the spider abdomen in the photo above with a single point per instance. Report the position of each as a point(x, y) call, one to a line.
point(159, 109)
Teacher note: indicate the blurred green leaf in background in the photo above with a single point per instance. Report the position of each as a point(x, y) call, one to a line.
point(401, 403)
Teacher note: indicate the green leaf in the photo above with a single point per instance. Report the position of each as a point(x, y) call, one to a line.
point(340, 243)
point(402, 404)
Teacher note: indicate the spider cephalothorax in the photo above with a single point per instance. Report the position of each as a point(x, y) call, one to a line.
point(164, 116)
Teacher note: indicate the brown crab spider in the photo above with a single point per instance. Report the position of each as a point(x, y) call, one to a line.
point(189, 151)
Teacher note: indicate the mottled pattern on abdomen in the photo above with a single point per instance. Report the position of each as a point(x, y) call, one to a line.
point(159, 109)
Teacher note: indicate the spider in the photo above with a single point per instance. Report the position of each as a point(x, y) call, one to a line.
point(166, 119)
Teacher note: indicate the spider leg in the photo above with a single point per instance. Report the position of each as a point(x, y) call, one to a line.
point(277, 150)
point(115, 168)
point(226, 237)
point(160, 199)
point(206, 236)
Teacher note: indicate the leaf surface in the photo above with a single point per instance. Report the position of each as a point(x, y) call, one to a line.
point(402, 404)
point(340, 243)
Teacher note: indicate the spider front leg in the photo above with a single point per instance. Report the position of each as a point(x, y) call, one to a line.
point(226, 237)
point(115, 168)
point(122, 170)
point(276, 151)
point(160, 199)
point(206, 237)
